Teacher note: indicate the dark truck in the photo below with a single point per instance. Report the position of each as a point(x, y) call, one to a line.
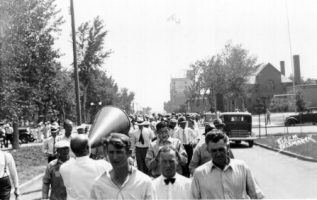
point(238, 127)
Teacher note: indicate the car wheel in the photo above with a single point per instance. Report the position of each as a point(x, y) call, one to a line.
point(290, 123)
point(237, 142)
point(250, 143)
point(24, 139)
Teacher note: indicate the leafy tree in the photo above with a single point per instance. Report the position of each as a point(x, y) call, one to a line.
point(91, 55)
point(28, 60)
point(124, 100)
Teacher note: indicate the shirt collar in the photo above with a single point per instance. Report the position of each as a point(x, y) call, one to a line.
point(168, 140)
point(229, 165)
point(83, 159)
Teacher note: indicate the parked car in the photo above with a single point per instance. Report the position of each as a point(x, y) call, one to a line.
point(309, 116)
point(25, 135)
point(238, 127)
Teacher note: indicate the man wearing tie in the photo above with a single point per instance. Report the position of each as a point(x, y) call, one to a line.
point(170, 185)
point(189, 140)
point(141, 139)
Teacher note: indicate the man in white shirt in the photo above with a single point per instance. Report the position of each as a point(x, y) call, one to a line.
point(170, 185)
point(189, 140)
point(9, 134)
point(49, 145)
point(223, 178)
point(78, 174)
point(141, 140)
point(123, 181)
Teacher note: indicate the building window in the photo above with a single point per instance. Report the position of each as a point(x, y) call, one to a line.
point(270, 85)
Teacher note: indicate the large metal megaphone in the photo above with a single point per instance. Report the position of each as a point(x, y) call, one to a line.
point(109, 119)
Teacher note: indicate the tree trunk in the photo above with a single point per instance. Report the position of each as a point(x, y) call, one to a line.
point(15, 144)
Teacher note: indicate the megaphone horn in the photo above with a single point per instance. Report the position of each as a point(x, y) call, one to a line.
point(109, 119)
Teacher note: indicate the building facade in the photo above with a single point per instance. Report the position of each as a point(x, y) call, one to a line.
point(266, 82)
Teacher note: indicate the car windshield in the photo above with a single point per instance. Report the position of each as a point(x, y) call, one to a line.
point(237, 118)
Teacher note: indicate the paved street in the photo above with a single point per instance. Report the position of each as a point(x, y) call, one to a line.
point(280, 176)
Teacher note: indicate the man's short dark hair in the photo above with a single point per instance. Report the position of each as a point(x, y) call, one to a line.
point(119, 140)
point(215, 137)
point(161, 125)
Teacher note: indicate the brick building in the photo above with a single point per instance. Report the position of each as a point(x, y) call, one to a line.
point(266, 82)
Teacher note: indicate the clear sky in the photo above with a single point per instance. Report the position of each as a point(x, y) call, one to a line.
point(149, 48)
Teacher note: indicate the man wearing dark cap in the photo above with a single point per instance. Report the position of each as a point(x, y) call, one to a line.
point(189, 139)
point(78, 174)
point(49, 145)
point(52, 176)
point(172, 127)
point(152, 156)
point(123, 181)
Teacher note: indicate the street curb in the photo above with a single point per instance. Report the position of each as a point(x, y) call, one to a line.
point(29, 183)
point(287, 153)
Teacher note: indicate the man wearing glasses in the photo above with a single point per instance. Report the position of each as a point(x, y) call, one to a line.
point(152, 156)
point(222, 177)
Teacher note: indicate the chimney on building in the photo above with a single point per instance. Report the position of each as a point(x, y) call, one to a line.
point(297, 77)
point(282, 65)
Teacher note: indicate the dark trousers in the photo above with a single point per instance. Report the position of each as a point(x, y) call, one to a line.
point(50, 158)
point(5, 188)
point(140, 154)
point(9, 137)
point(189, 151)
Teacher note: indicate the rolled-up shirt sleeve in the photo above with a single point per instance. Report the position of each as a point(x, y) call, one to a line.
point(149, 159)
point(194, 189)
point(252, 188)
point(46, 182)
point(182, 153)
point(195, 160)
point(13, 170)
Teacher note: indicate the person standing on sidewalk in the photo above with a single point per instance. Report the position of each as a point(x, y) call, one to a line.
point(7, 170)
point(49, 145)
point(268, 116)
point(52, 176)
point(9, 134)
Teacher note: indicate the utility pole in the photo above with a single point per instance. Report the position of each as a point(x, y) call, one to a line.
point(75, 64)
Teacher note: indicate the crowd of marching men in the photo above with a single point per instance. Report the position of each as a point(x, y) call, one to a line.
point(159, 159)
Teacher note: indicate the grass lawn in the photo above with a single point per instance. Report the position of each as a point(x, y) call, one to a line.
point(30, 162)
point(306, 148)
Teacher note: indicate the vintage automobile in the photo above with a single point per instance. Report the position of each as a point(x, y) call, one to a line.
point(25, 135)
point(238, 127)
point(309, 116)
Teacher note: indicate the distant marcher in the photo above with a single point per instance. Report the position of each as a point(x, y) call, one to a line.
point(52, 177)
point(81, 129)
point(222, 177)
point(141, 140)
point(49, 145)
point(268, 116)
point(172, 127)
point(46, 130)
point(189, 140)
point(67, 136)
point(78, 174)
point(7, 170)
point(9, 134)
point(171, 185)
point(123, 181)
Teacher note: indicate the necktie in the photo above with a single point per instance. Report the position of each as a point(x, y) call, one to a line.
point(141, 139)
point(169, 180)
point(184, 137)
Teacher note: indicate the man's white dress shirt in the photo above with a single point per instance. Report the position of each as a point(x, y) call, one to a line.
point(48, 146)
point(179, 190)
point(78, 175)
point(147, 136)
point(137, 186)
point(186, 135)
point(234, 182)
